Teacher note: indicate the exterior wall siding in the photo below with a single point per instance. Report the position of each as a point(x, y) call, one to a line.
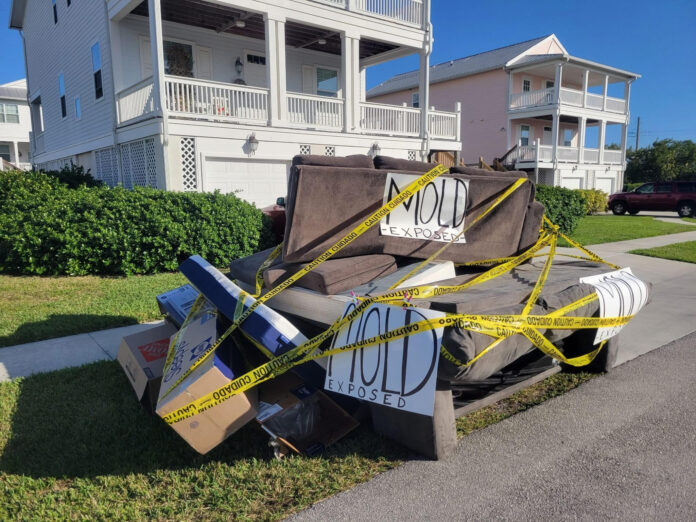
point(65, 48)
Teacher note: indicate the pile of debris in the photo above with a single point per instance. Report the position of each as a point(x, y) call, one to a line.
point(397, 282)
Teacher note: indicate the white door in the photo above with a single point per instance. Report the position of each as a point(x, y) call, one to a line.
point(255, 69)
point(547, 140)
point(257, 181)
point(605, 185)
point(571, 183)
point(145, 58)
point(204, 63)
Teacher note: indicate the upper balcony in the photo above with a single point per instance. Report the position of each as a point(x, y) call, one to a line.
point(410, 12)
point(539, 84)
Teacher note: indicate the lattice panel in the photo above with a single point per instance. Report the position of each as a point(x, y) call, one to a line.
point(305, 149)
point(188, 164)
point(329, 151)
point(412, 155)
point(139, 163)
point(107, 166)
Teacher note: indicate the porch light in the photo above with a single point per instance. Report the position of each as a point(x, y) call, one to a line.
point(238, 65)
point(240, 23)
point(253, 143)
point(321, 41)
point(375, 150)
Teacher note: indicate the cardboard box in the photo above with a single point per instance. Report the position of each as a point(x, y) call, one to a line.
point(142, 357)
point(206, 430)
point(177, 303)
point(288, 407)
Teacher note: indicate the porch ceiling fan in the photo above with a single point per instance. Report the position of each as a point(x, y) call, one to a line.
point(238, 22)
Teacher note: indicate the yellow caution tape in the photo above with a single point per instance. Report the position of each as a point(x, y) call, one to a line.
point(499, 327)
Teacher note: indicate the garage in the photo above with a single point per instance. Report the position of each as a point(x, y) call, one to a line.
point(258, 181)
point(572, 183)
point(605, 185)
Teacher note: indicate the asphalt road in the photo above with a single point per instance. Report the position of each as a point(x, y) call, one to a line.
point(621, 447)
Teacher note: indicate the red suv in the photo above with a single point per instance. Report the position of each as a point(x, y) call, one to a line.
point(678, 196)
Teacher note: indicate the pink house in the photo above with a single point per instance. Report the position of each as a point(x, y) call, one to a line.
point(535, 107)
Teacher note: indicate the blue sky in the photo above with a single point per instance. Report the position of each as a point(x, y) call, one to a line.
point(655, 39)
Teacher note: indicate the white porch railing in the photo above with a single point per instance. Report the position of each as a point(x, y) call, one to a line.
point(395, 120)
point(532, 98)
point(571, 97)
point(616, 105)
point(215, 100)
point(315, 111)
point(567, 154)
point(595, 101)
point(409, 11)
point(136, 101)
point(545, 153)
point(443, 124)
point(525, 153)
point(590, 155)
point(612, 156)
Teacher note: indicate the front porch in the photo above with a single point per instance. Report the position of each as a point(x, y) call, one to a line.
point(232, 67)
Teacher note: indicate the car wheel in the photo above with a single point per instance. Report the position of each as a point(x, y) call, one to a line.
point(618, 208)
point(685, 209)
point(633, 212)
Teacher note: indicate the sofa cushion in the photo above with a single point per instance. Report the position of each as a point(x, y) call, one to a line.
point(386, 162)
point(358, 161)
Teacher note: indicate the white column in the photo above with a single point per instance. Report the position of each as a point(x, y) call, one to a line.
point(554, 135)
point(510, 87)
point(606, 88)
point(585, 86)
point(424, 92)
point(509, 134)
point(350, 81)
point(157, 47)
point(537, 152)
point(627, 96)
point(275, 67)
point(581, 139)
point(15, 152)
point(363, 82)
point(602, 139)
point(557, 83)
point(624, 142)
point(458, 110)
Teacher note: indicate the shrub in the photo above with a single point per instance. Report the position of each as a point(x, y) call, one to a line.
point(47, 228)
point(630, 187)
point(596, 201)
point(74, 176)
point(564, 207)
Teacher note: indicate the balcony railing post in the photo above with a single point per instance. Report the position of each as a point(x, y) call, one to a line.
point(458, 127)
point(606, 88)
point(581, 140)
point(537, 150)
point(585, 86)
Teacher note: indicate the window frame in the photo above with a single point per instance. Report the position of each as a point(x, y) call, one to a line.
point(567, 142)
point(552, 82)
point(527, 79)
point(528, 137)
point(4, 114)
point(61, 96)
point(9, 152)
point(97, 77)
point(55, 11)
point(77, 104)
point(317, 68)
point(415, 96)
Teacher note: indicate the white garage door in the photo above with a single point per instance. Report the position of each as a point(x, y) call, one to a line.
point(257, 181)
point(571, 183)
point(605, 185)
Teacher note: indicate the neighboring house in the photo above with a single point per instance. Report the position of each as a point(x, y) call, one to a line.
point(566, 117)
point(202, 95)
point(15, 125)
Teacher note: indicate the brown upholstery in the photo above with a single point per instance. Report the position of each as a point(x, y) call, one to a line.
point(532, 225)
point(335, 275)
point(483, 172)
point(358, 161)
point(386, 162)
point(326, 203)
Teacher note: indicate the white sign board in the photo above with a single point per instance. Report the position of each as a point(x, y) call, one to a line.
point(400, 374)
point(435, 213)
point(620, 294)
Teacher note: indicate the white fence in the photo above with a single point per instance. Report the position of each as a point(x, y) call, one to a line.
point(567, 154)
point(595, 101)
point(612, 156)
point(315, 111)
point(214, 100)
point(395, 120)
point(571, 97)
point(531, 98)
point(568, 97)
point(135, 101)
point(409, 11)
point(616, 105)
point(590, 155)
point(443, 124)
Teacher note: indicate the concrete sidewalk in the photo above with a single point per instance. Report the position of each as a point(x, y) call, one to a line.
point(54, 354)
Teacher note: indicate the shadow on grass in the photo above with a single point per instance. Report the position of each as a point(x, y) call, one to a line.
point(85, 422)
point(61, 325)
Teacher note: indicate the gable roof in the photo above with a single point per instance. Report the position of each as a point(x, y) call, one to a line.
point(16, 90)
point(467, 66)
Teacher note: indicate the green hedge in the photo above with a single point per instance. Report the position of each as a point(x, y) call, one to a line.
point(47, 228)
point(74, 176)
point(596, 200)
point(564, 207)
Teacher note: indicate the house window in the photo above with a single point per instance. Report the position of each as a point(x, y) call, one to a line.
point(5, 151)
point(524, 135)
point(178, 59)
point(9, 113)
point(549, 84)
point(61, 90)
point(526, 85)
point(327, 82)
point(567, 137)
point(55, 11)
point(96, 70)
point(78, 108)
point(256, 59)
point(415, 100)
point(69, 2)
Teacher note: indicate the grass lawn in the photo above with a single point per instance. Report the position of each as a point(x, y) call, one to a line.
point(593, 230)
point(76, 444)
point(678, 252)
point(36, 308)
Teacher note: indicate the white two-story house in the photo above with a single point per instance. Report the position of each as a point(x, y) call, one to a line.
point(15, 126)
point(220, 94)
point(561, 118)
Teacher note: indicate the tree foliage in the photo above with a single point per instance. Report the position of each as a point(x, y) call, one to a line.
point(664, 160)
